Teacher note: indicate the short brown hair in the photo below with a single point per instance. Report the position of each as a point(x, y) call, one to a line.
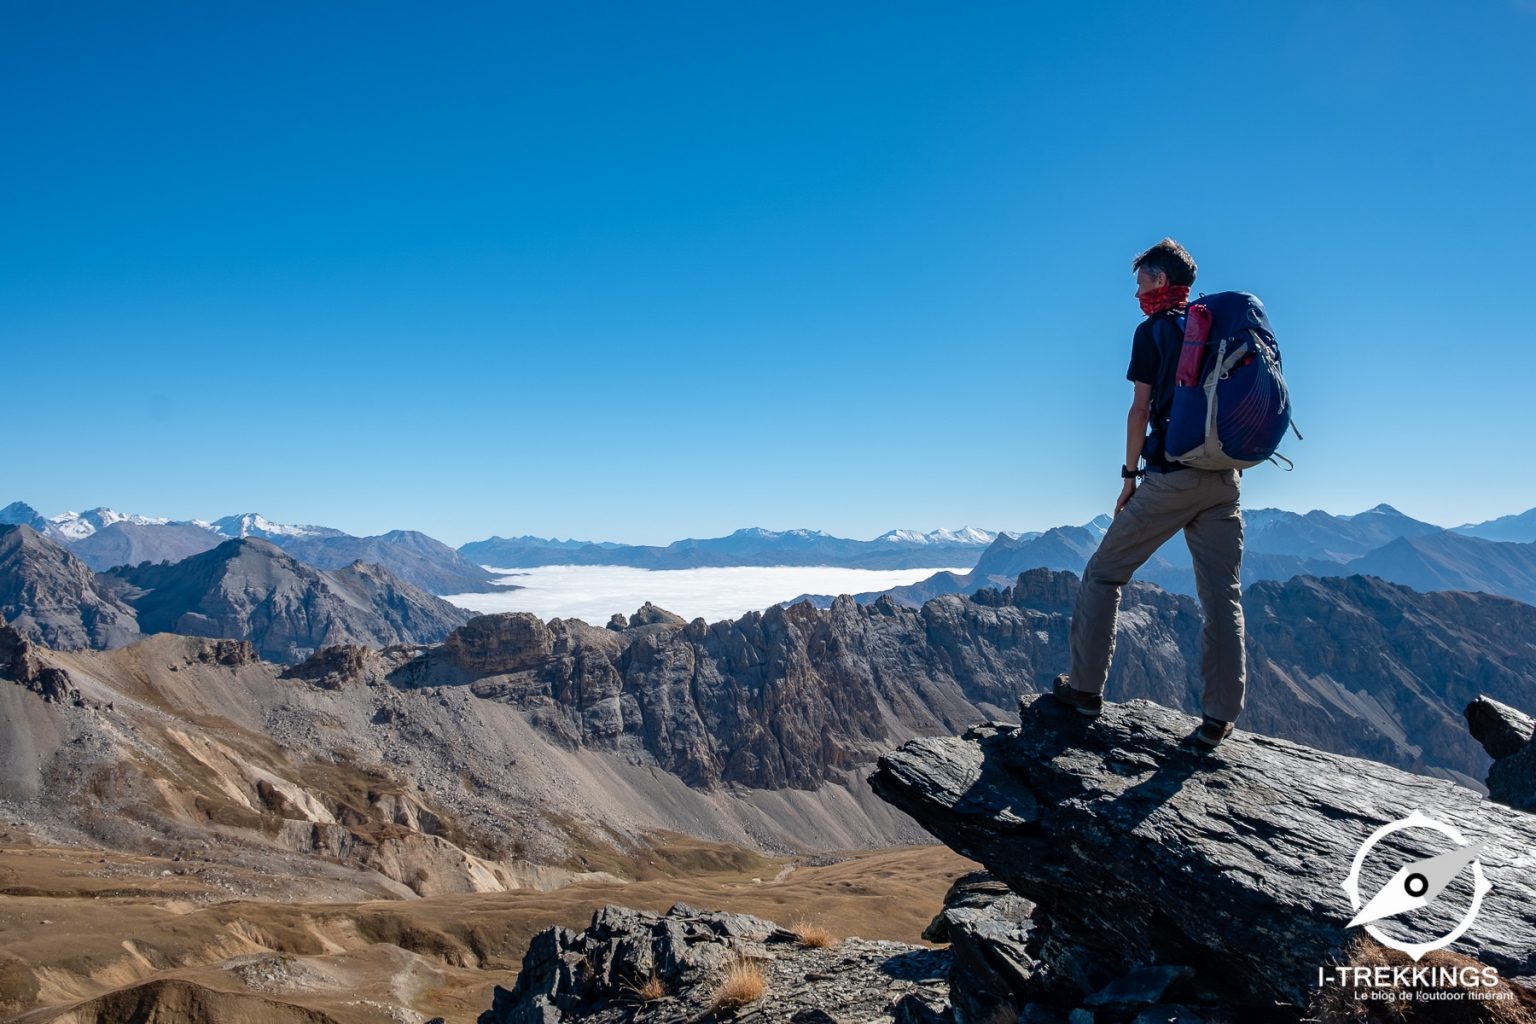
point(1168, 257)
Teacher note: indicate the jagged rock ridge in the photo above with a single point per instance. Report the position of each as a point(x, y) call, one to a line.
point(791, 696)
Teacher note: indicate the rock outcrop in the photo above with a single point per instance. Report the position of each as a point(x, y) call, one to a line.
point(1506, 733)
point(19, 662)
point(636, 965)
point(1215, 874)
point(987, 926)
point(331, 668)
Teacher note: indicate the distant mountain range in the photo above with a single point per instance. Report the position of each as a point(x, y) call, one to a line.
point(243, 589)
point(1277, 545)
point(895, 549)
point(104, 539)
point(1498, 556)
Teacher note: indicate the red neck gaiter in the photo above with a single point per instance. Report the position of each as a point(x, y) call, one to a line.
point(1166, 297)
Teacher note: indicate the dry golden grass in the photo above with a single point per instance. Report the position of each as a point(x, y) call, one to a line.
point(650, 989)
point(743, 983)
point(812, 935)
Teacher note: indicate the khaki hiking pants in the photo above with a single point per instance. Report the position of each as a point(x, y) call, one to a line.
point(1202, 503)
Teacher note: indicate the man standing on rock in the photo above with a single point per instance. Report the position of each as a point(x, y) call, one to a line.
point(1172, 497)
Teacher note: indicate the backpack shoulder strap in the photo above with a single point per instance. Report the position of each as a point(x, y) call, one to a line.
point(1175, 321)
point(1168, 346)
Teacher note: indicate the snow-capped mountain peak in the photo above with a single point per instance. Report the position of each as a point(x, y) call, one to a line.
point(766, 534)
point(964, 535)
point(1099, 524)
point(21, 514)
point(80, 525)
point(252, 524)
point(1382, 509)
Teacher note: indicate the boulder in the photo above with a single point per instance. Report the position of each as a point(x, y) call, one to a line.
point(1501, 729)
point(1505, 732)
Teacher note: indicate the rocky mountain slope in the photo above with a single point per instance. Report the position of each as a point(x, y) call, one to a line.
point(53, 597)
point(412, 557)
point(1449, 561)
point(1519, 528)
point(250, 589)
point(192, 749)
point(242, 590)
point(129, 543)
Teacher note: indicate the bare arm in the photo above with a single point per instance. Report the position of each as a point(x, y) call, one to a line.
point(1135, 436)
point(1136, 423)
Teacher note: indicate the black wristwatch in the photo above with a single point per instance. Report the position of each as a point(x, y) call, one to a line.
point(1130, 474)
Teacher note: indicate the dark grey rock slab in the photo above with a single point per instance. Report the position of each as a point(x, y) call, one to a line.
point(1142, 849)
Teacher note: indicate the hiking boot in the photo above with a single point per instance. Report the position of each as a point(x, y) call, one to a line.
point(1085, 703)
point(1212, 731)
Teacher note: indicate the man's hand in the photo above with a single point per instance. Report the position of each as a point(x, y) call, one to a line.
point(1125, 495)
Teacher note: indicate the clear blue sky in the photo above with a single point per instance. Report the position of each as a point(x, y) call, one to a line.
point(645, 271)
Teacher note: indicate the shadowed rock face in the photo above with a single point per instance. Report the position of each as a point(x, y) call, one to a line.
point(1141, 850)
point(790, 697)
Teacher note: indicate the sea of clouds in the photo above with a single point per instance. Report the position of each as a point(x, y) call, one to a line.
point(594, 592)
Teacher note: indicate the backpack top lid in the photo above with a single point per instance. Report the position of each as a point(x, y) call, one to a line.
point(1232, 313)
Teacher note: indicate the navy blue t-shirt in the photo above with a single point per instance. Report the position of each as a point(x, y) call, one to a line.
point(1157, 365)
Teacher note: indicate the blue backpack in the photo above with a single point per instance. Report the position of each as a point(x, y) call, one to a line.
point(1230, 407)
